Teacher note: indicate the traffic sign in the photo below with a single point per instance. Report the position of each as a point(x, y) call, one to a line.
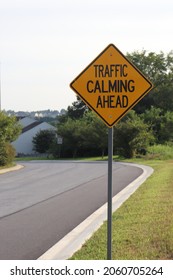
point(111, 85)
point(59, 140)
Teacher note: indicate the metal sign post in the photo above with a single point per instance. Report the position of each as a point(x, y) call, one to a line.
point(109, 226)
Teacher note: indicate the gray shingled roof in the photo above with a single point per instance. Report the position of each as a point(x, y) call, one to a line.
point(30, 126)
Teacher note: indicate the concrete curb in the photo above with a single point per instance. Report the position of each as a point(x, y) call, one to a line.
point(15, 168)
point(74, 240)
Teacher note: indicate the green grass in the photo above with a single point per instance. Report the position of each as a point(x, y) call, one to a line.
point(51, 158)
point(143, 225)
point(160, 152)
point(30, 158)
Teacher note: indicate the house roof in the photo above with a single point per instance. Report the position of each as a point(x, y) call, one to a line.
point(18, 118)
point(30, 126)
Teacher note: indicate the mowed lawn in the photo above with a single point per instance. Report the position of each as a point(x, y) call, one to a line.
point(143, 225)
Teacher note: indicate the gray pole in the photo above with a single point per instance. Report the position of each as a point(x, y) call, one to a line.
point(0, 86)
point(109, 226)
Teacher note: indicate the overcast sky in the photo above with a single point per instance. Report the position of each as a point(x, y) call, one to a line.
point(45, 44)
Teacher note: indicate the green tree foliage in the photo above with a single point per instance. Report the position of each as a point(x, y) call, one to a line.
point(43, 141)
point(9, 128)
point(77, 110)
point(73, 133)
point(161, 123)
point(84, 136)
point(132, 135)
point(96, 134)
point(159, 69)
point(9, 131)
point(7, 154)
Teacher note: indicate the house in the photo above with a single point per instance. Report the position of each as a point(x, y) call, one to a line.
point(30, 127)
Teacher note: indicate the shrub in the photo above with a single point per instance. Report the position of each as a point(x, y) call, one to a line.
point(132, 136)
point(7, 154)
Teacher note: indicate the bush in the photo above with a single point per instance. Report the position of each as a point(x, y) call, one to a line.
point(7, 154)
point(132, 136)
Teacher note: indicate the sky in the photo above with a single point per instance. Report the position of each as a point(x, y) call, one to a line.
point(45, 44)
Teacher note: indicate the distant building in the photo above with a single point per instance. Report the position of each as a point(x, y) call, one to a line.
point(30, 127)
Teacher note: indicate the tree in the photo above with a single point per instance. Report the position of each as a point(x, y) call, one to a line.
point(159, 69)
point(86, 136)
point(161, 123)
point(9, 131)
point(7, 154)
point(9, 128)
point(77, 110)
point(73, 133)
point(132, 135)
point(43, 140)
point(97, 133)
point(166, 131)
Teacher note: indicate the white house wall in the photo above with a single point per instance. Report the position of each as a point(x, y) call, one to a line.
point(24, 145)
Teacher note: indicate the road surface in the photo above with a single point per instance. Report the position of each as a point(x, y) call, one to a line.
point(42, 202)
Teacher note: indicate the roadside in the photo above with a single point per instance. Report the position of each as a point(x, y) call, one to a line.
point(9, 169)
point(143, 225)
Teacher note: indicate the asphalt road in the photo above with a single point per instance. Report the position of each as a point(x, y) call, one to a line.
point(42, 202)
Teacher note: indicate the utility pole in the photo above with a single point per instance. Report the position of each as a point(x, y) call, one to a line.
point(0, 86)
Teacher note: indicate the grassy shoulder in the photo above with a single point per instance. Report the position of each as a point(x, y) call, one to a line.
point(143, 225)
point(7, 166)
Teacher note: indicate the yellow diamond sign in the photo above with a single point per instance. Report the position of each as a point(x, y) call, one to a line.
point(111, 85)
